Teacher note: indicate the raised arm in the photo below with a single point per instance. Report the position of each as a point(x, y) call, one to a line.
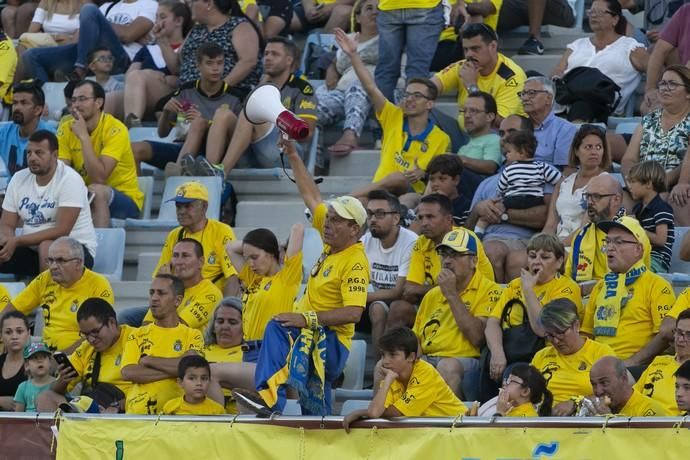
point(296, 240)
point(305, 182)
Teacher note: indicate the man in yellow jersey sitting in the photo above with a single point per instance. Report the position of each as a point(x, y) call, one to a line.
point(59, 292)
point(683, 388)
point(410, 138)
point(333, 301)
point(453, 314)
point(628, 305)
point(483, 69)
point(200, 295)
point(613, 393)
point(96, 361)
point(152, 352)
point(436, 220)
point(96, 145)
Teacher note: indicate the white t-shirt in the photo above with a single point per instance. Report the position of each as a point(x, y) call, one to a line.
point(125, 13)
point(58, 23)
point(613, 61)
point(38, 205)
point(388, 264)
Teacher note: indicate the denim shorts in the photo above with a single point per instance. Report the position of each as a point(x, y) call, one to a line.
point(122, 206)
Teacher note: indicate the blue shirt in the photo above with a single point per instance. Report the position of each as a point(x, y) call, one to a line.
point(554, 137)
point(12, 145)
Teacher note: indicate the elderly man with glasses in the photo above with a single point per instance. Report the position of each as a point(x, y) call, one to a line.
point(60, 291)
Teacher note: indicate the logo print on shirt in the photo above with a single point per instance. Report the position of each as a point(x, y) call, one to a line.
point(178, 345)
point(327, 271)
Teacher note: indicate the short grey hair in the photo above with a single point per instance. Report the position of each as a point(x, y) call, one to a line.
point(76, 249)
point(545, 82)
point(231, 302)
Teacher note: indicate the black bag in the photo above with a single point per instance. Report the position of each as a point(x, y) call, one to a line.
point(520, 343)
point(591, 95)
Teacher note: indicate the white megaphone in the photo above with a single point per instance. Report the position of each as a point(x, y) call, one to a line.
point(263, 105)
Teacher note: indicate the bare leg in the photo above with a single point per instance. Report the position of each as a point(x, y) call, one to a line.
point(222, 129)
point(9, 20)
point(234, 375)
point(19, 71)
point(378, 314)
point(114, 104)
point(451, 370)
point(535, 12)
point(497, 253)
point(143, 89)
point(195, 137)
point(273, 25)
point(401, 314)
point(340, 17)
point(515, 262)
point(142, 152)
point(100, 206)
point(241, 139)
point(617, 146)
point(48, 401)
point(25, 13)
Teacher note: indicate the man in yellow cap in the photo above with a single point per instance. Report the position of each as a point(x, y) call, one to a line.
point(191, 202)
point(627, 308)
point(324, 318)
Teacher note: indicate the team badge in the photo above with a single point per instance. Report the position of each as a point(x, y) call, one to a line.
point(212, 258)
point(75, 306)
point(178, 345)
point(583, 366)
point(327, 271)
point(424, 147)
point(268, 286)
point(118, 360)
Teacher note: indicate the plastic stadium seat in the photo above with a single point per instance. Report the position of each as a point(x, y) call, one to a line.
point(146, 186)
point(352, 405)
point(14, 288)
point(677, 265)
point(315, 39)
point(110, 253)
point(292, 407)
point(55, 99)
point(354, 366)
point(311, 250)
point(149, 133)
point(626, 128)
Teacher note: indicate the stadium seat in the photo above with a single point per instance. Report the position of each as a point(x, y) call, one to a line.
point(14, 288)
point(352, 405)
point(166, 214)
point(311, 250)
point(110, 253)
point(292, 407)
point(146, 186)
point(55, 99)
point(679, 266)
point(149, 133)
point(315, 40)
point(626, 128)
point(354, 366)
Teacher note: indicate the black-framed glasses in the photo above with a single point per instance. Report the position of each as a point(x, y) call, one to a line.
point(448, 252)
point(512, 379)
point(379, 213)
point(93, 333)
point(616, 242)
point(596, 197)
point(415, 95)
point(530, 93)
point(592, 13)
point(60, 260)
point(669, 84)
point(555, 334)
point(681, 334)
point(319, 263)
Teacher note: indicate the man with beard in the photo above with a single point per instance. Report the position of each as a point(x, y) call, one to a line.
point(47, 200)
point(28, 102)
point(482, 155)
point(604, 198)
point(388, 247)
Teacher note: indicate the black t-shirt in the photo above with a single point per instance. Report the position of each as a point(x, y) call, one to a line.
point(461, 210)
point(9, 387)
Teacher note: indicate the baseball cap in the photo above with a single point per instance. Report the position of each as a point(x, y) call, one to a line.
point(459, 241)
point(81, 405)
point(190, 191)
point(37, 347)
point(629, 224)
point(349, 207)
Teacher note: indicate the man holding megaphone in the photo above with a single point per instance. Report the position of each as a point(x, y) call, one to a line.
point(254, 141)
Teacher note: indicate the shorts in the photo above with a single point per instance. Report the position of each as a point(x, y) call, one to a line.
point(163, 153)
point(514, 244)
point(298, 10)
point(279, 8)
point(24, 262)
point(122, 206)
point(264, 153)
point(250, 351)
point(522, 201)
point(468, 364)
point(364, 324)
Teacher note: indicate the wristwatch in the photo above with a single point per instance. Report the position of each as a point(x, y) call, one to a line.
point(504, 217)
point(472, 89)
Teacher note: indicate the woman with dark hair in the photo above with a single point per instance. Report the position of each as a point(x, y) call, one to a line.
point(14, 328)
point(589, 156)
point(524, 393)
point(221, 22)
point(621, 58)
point(270, 283)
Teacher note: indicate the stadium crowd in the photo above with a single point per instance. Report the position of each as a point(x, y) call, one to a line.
point(520, 255)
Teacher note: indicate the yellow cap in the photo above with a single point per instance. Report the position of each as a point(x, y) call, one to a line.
point(81, 405)
point(459, 241)
point(190, 191)
point(632, 226)
point(351, 208)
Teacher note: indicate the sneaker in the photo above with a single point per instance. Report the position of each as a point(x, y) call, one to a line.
point(206, 168)
point(77, 74)
point(532, 46)
point(188, 165)
point(132, 121)
point(251, 401)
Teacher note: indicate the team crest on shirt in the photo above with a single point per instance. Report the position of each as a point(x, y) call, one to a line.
point(178, 345)
point(118, 360)
point(268, 286)
point(75, 306)
point(327, 271)
point(583, 366)
point(212, 258)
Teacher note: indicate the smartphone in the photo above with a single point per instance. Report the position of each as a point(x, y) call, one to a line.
point(64, 361)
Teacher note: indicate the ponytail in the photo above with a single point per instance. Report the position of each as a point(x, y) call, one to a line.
point(535, 381)
point(546, 404)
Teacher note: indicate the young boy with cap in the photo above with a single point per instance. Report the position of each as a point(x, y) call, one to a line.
point(37, 366)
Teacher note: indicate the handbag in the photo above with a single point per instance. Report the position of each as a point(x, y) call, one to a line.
point(520, 343)
point(36, 40)
point(591, 95)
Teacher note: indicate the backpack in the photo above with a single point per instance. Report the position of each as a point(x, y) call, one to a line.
point(591, 96)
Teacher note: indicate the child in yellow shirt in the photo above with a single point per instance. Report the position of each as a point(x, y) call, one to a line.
point(194, 375)
point(523, 390)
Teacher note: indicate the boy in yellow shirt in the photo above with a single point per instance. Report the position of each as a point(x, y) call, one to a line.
point(194, 374)
point(410, 387)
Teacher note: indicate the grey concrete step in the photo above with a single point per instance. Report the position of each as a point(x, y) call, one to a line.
point(543, 64)
point(278, 190)
point(276, 214)
point(130, 293)
point(358, 162)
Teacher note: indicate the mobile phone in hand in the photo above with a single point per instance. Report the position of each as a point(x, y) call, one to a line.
point(64, 361)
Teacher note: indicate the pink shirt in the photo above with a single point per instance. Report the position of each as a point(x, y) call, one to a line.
point(677, 33)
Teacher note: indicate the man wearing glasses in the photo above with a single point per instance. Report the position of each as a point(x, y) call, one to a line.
point(95, 363)
point(46, 200)
point(628, 306)
point(59, 292)
point(482, 155)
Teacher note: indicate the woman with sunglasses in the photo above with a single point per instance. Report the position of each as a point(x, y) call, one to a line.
point(589, 157)
point(524, 393)
point(565, 363)
point(664, 136)
point(270, 282)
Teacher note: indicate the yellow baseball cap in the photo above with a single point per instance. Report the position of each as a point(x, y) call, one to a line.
point(81, 405)
point(459, 241)
point(190, 191)
point(349, 207)
point(629, 224)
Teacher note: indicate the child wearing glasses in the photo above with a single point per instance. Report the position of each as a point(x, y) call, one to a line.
point(646, 181)
point(524, 393)
point(101, 65)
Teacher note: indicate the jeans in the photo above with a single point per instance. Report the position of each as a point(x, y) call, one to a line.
point(94, 32)
point(411, 30)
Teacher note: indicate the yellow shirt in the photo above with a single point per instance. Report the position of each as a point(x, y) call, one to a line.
point(342, 280)
point(568, 375)
point(597, 259)
point(558, 287)
point(682, 303)
point(491, 20)
point(8, 64)
point(197, 305)
point(394, 157)
point(213, 238)
point(4, 296)
point(266, 296)
point(523, 410)
point(83, 360)
point(640, 405)
point(426, 395)
point(110, 139)
point(215, 354)
point(435, 325)
point(179, 406)
point(425, 264)
point(652, 298)
point(387, 5)
point(60, 304)
point(161, 342)
point(657, 382)
point(503, 83)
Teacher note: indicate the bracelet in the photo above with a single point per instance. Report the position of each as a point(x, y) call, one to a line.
point(311, 319)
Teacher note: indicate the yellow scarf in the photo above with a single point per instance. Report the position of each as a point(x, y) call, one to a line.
point(307, 364)
point(588, 260)
point(613, 298)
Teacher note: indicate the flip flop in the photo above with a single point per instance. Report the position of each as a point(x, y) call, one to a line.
point(341, 150)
